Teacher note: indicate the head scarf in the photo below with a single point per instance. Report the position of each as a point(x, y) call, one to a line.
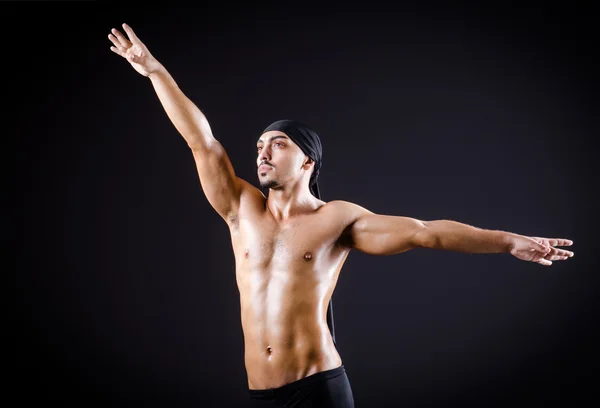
point(309, 142)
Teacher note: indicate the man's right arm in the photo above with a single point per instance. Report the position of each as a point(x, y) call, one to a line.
point(217, 176)
point(222, 187)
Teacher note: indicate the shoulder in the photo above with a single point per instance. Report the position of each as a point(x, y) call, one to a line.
point(347, 212)
point(346, 207)
point(250, 191)
point(252, 201)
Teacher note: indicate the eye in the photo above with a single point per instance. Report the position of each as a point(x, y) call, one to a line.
point(279, 144)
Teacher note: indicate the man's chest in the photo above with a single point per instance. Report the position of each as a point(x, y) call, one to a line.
point(305, 240)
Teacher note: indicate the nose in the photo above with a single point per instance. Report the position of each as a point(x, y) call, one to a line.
point(264, 155)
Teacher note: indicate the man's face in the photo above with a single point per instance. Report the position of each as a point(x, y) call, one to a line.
point(280, 161)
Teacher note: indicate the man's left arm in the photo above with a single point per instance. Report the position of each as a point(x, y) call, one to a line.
point(378, 234)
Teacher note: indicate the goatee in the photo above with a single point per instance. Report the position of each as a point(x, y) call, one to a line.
point(269, 184)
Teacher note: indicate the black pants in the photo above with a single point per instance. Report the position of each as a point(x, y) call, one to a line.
point(327, 389)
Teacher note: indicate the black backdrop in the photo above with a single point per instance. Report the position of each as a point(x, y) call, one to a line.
point(125, 290)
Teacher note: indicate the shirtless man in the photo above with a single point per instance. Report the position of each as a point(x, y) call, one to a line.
point(289, 247)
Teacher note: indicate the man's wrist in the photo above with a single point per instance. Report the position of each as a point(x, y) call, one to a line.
point(508, 240)
point(158, 71)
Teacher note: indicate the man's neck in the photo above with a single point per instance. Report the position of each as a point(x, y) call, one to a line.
point(284, 204)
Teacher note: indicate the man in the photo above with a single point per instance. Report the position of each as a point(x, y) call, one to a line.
point(289, 247)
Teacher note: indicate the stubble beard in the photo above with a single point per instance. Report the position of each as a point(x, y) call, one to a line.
point(270, 184)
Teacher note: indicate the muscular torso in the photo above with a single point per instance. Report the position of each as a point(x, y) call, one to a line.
point(286, 272)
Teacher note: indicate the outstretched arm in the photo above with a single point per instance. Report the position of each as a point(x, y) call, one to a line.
point(386, 235)
point(219, 182)
point(183, 113)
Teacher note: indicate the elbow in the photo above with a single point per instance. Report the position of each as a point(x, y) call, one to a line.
point(198, 134)
point(426, 237)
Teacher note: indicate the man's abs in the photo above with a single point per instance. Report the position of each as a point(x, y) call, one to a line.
point(286, 336)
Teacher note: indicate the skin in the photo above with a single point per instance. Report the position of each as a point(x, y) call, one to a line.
point(289, 246)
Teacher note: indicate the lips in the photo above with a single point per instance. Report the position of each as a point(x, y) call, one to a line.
point(264, 167)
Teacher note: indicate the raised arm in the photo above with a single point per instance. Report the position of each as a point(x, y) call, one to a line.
point(378, 234)
point(217, 176)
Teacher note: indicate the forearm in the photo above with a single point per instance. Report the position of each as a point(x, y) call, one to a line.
point(187, 118)
point(456, 236)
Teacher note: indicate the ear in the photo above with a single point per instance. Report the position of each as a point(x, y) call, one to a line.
point(308, 163)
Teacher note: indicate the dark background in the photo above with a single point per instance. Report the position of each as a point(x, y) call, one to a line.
point(124, 276)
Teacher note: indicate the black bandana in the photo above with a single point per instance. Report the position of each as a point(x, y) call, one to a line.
point(309, 142)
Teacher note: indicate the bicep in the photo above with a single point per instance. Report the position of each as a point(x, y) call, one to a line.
point(378, 234)
point(219, 182)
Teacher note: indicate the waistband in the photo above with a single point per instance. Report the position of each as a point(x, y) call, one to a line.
point(293, 386)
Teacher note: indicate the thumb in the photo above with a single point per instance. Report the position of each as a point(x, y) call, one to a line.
point(533, 244)
point(134, 55)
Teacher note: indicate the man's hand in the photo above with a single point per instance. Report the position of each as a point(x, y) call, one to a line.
point(540, 250)
point(134, 51)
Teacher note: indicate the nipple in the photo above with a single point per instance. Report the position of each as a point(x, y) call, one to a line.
point(246, 254)
point(307, 256)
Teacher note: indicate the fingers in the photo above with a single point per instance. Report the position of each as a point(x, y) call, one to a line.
point(124, 41)
point(544, 262)
point(556, 254)
point(116, 51)
point(555, 241)
point(130, 33)
point(117, 44)
point(556, 257)
point(561, 252)
point(559, 242)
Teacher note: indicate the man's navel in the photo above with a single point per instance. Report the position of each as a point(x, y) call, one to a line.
point(269, 352)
